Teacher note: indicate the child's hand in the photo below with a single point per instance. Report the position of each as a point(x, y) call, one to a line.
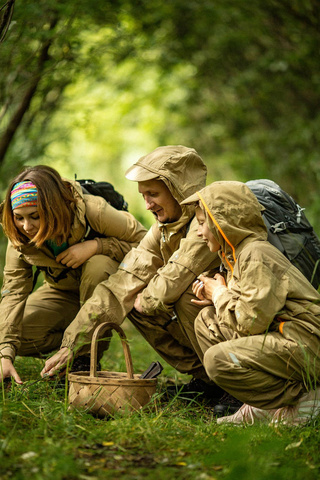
point(204, 288)
point(199, 291)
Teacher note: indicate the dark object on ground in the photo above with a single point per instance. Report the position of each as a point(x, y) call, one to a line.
point(82, 364)
point(227, 405)
point(79, 364)
point(152, 371)
point(196, 389)
point(6, 382)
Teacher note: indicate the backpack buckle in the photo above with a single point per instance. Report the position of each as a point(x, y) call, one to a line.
point(279, 227)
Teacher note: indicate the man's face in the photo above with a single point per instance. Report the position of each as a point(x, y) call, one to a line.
point(159, 201)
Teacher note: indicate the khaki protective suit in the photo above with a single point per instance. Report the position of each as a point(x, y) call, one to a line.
point(163, 267)
point(33, 323)
point(261, 339)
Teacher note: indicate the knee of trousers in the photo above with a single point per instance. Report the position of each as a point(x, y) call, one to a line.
point(97, 269)
point(203, 320)
point(199, 323)
point(216, 364)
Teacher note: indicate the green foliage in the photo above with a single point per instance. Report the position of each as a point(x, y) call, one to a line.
point(238, 82)
point(39, 438)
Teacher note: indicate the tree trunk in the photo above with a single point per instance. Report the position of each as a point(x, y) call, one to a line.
point(24, 105)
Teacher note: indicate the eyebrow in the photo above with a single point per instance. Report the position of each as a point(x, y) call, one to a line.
point(20, 215)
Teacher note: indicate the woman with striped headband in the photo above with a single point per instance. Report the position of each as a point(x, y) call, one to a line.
point(45, 219)
point(260, 332)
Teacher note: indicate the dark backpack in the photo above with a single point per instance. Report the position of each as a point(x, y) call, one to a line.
point(106, 191)
point(288, 228)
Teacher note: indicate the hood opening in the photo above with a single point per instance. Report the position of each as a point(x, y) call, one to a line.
point(220, 231)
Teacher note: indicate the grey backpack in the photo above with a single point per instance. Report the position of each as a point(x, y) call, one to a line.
point(288, 228)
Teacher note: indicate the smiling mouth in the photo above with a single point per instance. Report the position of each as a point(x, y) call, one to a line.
point(157, 212)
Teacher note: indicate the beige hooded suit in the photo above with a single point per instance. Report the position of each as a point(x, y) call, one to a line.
point(261, 338)
point(162, 267)
point(33, 323)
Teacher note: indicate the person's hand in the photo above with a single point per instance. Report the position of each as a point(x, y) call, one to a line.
point(198, 289)
point(57, 362)
point(204, 287)
point(137, 304)
point(79, 253)
point(7, 370)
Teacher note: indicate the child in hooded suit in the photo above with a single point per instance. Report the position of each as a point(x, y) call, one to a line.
point(260, 331)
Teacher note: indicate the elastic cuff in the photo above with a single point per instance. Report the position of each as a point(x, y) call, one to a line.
point(216, 294)
point(8, 352)
point(69, 345)
point(100, 246)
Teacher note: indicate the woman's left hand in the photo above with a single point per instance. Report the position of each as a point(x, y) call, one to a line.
point(57, 361)
point(79, 253)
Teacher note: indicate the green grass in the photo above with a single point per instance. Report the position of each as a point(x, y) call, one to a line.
point(41, 439)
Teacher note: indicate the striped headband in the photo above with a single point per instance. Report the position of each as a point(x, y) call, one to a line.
point(24, 194)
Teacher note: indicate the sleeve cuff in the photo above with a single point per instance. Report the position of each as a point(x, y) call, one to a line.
point(100, 246)
point(8, 352)
point(217, 292)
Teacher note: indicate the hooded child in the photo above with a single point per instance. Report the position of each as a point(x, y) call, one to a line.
point(261, 333)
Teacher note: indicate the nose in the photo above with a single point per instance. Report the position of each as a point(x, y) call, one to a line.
point(149, 203)
point(28, 225)
point(199, 231)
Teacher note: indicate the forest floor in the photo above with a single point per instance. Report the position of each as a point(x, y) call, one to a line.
point(40, 438)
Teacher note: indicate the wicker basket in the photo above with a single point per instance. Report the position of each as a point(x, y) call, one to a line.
point(104, 393)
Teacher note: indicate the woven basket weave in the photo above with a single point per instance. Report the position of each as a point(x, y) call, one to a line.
point(104, 393)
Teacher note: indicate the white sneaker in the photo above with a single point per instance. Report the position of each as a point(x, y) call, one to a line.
point(248, 415)
point(307, 408)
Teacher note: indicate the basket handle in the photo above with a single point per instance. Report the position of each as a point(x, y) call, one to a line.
point(94, 347)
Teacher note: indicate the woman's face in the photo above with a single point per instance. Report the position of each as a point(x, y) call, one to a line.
point(27, 220)
point(205, 233)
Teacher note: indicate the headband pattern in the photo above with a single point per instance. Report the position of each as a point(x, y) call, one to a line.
point(24, 194)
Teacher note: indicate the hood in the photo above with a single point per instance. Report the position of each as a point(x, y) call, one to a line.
point(179, 167)
point(233, 214)
point(79, 226)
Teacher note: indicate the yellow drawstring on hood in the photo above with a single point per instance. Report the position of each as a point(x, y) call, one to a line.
point(222, 233)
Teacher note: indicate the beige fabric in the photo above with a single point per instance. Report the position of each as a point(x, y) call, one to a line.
point(18, 272)
point(266, 371)
point(246, 354)
point(162, 268)
point(50, 311)
point(181, 168)
point(174, 339)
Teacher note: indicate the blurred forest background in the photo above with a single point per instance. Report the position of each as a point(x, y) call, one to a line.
point(88, 87)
